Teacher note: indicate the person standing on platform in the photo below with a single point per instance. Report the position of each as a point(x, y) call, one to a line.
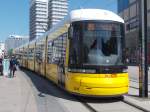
point(12, 66)
point(1, 66)
point(6, 70)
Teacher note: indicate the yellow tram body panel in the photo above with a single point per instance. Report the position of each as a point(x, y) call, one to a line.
point(31, 65)
point(97, 84)
point(52, 73)
point(37, 67)
point(25, 63)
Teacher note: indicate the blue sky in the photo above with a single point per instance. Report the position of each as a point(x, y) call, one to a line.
point(14, 17)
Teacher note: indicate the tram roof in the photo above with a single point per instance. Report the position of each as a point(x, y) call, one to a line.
point(94, 14)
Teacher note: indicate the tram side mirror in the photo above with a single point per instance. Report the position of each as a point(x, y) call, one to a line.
point(70, 32)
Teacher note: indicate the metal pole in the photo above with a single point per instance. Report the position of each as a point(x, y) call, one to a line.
point(143, 67)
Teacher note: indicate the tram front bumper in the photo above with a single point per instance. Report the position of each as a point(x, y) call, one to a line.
point(96, 86)
point(104, 86)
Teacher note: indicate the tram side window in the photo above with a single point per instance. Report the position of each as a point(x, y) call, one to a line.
point(75, 46)
point(62, 47)
point(57, 49)
point(38, 53)
point(25, 54)
point(30, 53)
point(42, 56)
point(21, 52)
point(50, 51)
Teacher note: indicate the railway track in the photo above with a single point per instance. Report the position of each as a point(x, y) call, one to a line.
point(108, 105)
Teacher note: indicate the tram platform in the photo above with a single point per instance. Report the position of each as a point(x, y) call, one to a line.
point(17, 95)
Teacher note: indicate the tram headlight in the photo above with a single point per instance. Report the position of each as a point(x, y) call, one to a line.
point(125, 70)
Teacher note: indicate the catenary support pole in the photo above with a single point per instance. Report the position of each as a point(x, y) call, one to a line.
point(143, 67)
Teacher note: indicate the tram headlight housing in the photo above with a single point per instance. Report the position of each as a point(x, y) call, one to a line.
point(125, 70)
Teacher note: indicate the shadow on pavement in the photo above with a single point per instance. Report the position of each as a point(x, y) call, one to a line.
point(47, 87)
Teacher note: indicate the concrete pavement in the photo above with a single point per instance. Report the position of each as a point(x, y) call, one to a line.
point(133, 95)
point(16, 95)
point(133, 99)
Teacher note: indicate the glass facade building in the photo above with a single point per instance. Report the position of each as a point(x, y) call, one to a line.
point(129, 11)
point(57, 10)
point(122, 4)
point(38, 18)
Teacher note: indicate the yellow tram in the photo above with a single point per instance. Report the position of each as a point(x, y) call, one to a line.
point(82, 54)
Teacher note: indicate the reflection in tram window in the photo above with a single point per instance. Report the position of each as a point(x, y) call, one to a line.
point(96, 43)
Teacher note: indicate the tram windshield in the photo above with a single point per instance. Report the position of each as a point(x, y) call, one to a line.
point(96, 43)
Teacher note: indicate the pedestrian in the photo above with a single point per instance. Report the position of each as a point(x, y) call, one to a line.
point(12, 66)
point(1, 65)
point(6, 65)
